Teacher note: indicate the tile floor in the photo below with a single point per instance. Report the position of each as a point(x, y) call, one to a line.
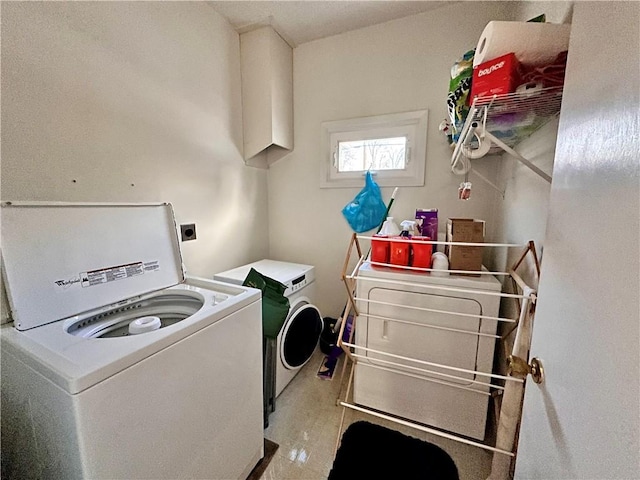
point(306, 421)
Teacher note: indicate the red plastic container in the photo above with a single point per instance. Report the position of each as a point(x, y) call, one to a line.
point(380, 250)
point(399, 252)
point(421, 252)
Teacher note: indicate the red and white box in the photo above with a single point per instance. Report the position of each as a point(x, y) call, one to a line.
point(495, 77)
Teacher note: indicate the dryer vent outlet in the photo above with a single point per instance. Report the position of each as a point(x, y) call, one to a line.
point(188, 231)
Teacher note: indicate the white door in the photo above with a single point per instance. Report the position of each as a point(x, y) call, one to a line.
point(583, 421)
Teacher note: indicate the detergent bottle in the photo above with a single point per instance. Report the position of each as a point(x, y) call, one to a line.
point(389, 228)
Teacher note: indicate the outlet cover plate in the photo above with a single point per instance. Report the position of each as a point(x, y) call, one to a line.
point(188, 231)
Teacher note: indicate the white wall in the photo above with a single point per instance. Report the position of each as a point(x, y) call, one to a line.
point(398, 66)
point(132, 102)
point(522, 214)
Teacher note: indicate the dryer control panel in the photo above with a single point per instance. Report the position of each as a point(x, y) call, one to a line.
point(297, 283)
point(294, 276)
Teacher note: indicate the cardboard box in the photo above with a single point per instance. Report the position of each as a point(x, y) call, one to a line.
point(496, 77)
point(466, 230)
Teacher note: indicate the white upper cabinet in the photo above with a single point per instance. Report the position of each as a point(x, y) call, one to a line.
point(267, 96)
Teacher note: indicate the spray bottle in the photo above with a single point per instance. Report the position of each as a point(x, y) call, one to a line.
point(408, 228)
point(404, 252)
point(400, 251)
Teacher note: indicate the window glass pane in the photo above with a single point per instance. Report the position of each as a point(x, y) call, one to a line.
point(376, 153)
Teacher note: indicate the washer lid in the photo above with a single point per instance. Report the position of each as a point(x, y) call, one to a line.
point(62, 259)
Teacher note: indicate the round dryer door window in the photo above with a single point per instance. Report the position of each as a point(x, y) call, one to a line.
point(300, 336)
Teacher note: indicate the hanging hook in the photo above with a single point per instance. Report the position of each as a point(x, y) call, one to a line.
point(484, 144)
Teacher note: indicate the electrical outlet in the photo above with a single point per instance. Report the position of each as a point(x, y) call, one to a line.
point(188, 231)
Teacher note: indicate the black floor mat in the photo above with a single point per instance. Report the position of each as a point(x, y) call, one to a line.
point(373, 451)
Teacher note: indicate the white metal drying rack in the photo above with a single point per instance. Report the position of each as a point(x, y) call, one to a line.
point(512, 117)
point(518, 362)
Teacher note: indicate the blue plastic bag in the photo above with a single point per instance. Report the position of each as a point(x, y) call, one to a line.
point(366, 211)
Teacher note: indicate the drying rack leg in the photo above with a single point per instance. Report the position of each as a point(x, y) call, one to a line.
point(344, 409)
point(346, 350)
point(513, 396)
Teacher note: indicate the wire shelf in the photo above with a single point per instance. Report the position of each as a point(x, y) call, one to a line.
point(500, 123)
point(515, 116)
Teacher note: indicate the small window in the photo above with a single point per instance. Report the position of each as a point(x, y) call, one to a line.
point(391, 146)
point(375, 154)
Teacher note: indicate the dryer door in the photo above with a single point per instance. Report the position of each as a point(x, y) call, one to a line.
point(300, 334)
point(445, 347)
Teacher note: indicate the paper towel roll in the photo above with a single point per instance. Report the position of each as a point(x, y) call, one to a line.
point(533, 43)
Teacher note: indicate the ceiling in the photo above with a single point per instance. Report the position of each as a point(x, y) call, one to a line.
point(299, 22)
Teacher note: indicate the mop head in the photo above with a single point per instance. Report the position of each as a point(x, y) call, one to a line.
point(327, 367)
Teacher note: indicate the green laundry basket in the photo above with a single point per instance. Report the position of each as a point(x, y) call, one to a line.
point(275, 306)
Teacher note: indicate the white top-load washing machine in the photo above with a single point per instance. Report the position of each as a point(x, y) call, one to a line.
point(116, 364)
point(457, 405)
point(301, 331)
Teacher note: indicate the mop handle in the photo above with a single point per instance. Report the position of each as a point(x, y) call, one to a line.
point(386, 213)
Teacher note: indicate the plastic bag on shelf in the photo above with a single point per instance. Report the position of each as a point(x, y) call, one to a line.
point(459, 88)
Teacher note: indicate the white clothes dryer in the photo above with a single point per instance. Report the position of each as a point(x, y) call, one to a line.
point(117, 365)
point(464, 338)
point(300, 333)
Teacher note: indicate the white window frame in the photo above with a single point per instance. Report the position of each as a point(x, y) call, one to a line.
point(412, 125)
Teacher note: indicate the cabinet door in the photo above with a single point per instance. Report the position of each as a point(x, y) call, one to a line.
point(267, 93)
